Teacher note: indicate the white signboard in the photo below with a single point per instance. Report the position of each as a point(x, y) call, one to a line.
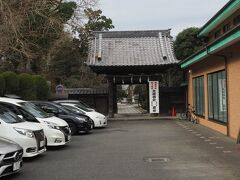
point(154, 97)
point(222, 94)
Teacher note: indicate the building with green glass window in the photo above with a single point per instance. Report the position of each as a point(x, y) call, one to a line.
point(213, 73)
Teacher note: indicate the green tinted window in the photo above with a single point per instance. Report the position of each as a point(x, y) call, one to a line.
point(198, 91)
point(217, 96)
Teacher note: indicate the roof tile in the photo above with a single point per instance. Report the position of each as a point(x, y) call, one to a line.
point(131, 48)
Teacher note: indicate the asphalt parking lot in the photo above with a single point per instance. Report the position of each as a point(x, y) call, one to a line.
point(141, 150)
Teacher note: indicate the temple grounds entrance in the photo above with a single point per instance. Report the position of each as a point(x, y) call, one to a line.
point(133, 57)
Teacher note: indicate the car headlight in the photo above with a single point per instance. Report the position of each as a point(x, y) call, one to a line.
point(25, 132)
point(52, 125)
point(100, 117)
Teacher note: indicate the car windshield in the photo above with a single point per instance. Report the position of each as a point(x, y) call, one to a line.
point(82, 107)
point(34, 110)
point(27, 116)
point(84, 104)
point(73, 109)
point(62, 108)
point(9, 117)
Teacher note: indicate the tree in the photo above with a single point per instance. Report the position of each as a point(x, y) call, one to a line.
point(69, 54)
point(28, 29)
point(120, 93)
point(187, 43)
point(141, 91)
point(65, 57)
point(96, 22)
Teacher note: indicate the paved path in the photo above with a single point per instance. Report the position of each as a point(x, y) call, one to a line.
point(128, 109)
point(123, 151)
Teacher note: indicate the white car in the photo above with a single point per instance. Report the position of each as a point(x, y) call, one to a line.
point(78, 102)
point(56, 130)
point(10, 157)
point(28, 135)
point(99, 119)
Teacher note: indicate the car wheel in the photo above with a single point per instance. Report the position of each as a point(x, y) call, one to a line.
point(73, 128)
point(45, 141)
point(93, 124)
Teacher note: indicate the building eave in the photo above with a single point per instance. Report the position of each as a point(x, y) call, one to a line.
point(121, 70)
point(219, 17)
point(224, 41)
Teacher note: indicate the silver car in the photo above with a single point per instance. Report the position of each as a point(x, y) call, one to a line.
point(10, 157)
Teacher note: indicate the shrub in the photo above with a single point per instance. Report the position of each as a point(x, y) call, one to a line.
point(73, 82)
point(2, 85)
point(27, 88)
point(41, 87)
point(11, 82)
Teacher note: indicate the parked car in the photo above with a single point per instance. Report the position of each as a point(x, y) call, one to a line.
point(77, 122)
point(10, 157)
point(80, 103)
point(28, 135)
point(56, 130)
point(99, 120)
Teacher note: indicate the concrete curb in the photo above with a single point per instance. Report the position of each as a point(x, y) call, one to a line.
point(142, 118)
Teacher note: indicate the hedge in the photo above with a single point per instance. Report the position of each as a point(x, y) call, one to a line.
point(2, 85)
point(42, 88)
point(27, 87)
point(11, 82)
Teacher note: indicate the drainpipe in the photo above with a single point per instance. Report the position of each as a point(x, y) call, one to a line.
point(185, 77)
point(226, 72)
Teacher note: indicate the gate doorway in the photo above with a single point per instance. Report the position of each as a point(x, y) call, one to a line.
point(132, 99)
point(131, 57)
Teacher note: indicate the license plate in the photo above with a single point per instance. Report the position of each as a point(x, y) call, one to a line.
point(16, 166)
point(41, 143)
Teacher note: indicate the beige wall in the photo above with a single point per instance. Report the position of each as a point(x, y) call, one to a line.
point(213, 64)
point(234, 91)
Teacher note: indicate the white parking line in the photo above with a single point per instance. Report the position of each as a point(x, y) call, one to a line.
point(219, 147)
point(212, 143)
point(202, 137)
point(227, 151)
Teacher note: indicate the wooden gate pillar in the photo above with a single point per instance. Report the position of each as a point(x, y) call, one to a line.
point(115, 108)
point(110, 98)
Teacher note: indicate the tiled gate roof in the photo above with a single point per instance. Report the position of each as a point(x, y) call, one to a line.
point(131, 48)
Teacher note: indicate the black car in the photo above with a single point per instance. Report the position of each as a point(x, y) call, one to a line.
point(77, 123)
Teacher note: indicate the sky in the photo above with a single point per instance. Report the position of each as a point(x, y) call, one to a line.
point(159, 14)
